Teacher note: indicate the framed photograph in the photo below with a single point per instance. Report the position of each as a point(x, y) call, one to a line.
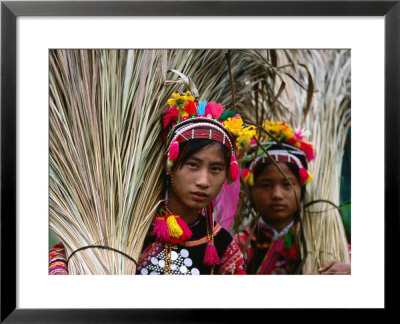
point(370, 29)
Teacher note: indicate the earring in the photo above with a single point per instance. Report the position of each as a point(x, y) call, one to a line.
point(166, 190)
point(172, 182)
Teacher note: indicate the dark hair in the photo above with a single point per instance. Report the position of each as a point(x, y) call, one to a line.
point(294, 168)
point(188, 148)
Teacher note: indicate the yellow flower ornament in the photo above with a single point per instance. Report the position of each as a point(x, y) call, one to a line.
point(179, 100)
point(235, 126)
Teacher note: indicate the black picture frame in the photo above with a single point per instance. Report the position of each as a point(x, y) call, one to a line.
point(10, 10)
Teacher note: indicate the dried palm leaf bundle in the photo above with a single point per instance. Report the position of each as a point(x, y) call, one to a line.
point(106, 158)
point(311, 89)
point(326, 112)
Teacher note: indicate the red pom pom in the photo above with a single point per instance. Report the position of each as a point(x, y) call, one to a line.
point(190, 108)
point(303, 175)
point(308, 149)
point(292, 141)
point(211, 255)
point(292, 252)
point(170, 115)
point(187, 233)
point(245, 172)
point(161, 229)
point(173, 151)
point(233, 169)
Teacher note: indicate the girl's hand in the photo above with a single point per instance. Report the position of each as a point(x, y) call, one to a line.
point(335, 268)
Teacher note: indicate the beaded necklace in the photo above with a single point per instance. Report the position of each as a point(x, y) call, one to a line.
point(167, 267)
point(172, 230)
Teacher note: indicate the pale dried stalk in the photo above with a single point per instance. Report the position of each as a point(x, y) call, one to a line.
point(105, 154)
point(329, 121)
point(327, 74)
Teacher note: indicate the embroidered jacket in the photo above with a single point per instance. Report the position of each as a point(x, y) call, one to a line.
point(187, 258)
point(57, 260)
point(269, 252)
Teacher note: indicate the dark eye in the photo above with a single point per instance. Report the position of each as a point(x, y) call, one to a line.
point(216, 169)
point(191, 164)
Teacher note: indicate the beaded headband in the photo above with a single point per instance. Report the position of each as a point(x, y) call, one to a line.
point(284, 145)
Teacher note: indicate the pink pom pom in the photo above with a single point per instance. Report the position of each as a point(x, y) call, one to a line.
point(303, 175)
point(299, 133)
point(211, 255)
point(208, 111)
point(187, 233)
point(173, 151)
point(161, 229)
point(233, 169)
point(216, 109)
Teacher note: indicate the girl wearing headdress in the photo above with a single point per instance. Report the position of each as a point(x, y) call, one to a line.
point(200, 159)
point(184, 238)
point(277, 173)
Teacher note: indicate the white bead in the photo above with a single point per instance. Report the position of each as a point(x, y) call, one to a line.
point(188, 262)
point(184, 253)
point(174, 255)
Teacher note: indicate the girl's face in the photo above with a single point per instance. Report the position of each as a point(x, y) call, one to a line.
point(198, 180)
point(274, 197)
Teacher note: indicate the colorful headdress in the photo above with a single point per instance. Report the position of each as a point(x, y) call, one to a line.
point(190, 120)
point(283, 145)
